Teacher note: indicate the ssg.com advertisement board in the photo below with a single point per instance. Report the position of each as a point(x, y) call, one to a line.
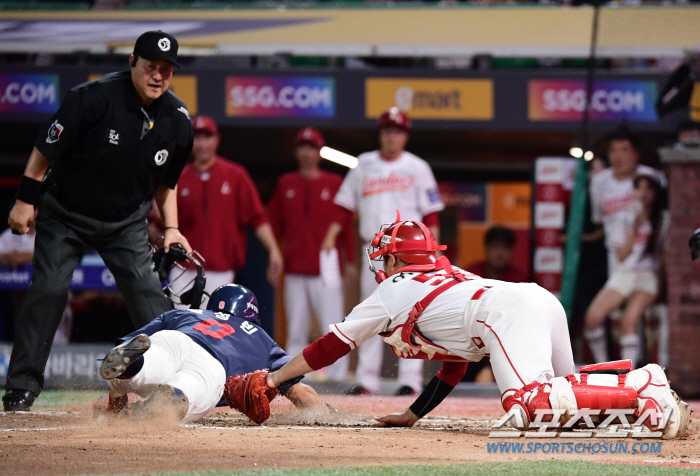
point(69, 366)
point(29, 93)
point(297, 96)
point(610, 100)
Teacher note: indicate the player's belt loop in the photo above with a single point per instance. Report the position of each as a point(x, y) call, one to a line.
point(572, 380)
point(584, 379)
point(621, 378)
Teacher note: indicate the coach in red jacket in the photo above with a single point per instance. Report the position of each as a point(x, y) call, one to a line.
point(217, 202)
point(301, 209)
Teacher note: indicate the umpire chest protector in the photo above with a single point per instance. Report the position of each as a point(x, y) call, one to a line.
point(109, 153)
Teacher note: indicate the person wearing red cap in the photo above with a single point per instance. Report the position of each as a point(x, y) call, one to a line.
point(386, 180)
point(217, 201)
point(301, 210)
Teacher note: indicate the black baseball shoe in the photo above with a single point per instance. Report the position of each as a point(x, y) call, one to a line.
point(18, 400)
point(118, 359)
point(405, 390)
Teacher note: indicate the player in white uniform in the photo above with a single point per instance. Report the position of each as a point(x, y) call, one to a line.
point(612, 194)
point(386, 180)
point(427, 309)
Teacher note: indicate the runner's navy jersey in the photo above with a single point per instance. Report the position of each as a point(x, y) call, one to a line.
point(241, 346)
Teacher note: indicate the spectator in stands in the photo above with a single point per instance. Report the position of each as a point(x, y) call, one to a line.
point(638, 249)
point(217, 202)
point(17, 251)
point(612, 193)
point(498, 243)
point(688, 131)
point(301, 210)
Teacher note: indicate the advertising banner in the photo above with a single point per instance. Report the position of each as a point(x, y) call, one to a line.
point(269, 96)
point(29, 93)
point(556, 100)
point(436, 99)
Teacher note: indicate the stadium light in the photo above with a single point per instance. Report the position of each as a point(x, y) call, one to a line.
point(339, 157)
point(588, 156)
point(576, 152)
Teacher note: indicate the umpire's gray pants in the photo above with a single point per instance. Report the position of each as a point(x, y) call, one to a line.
point(61, 238)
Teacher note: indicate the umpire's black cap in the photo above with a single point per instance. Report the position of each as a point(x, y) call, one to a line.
point(157, 45)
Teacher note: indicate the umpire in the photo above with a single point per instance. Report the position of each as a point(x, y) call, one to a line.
point(114, 144)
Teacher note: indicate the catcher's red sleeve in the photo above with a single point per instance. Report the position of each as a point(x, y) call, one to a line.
point(452, 372)
point(324, 351)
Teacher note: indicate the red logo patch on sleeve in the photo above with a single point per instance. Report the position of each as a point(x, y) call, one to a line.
point(478, 342)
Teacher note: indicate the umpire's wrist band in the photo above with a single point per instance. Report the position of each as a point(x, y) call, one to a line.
point(29, 190)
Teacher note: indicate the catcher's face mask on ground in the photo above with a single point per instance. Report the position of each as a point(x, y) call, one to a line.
point(177, 259)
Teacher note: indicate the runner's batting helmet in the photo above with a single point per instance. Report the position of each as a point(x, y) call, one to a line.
point(410, 241)
point(394, 117)
point(235, 299)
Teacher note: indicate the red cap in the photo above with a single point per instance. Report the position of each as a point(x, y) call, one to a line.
point(394, 117)
point(309, 135)
point(205, 124)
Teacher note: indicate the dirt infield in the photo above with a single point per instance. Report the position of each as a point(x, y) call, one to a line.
point(82, 440)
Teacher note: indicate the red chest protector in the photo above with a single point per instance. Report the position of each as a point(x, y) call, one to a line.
point(411, 344)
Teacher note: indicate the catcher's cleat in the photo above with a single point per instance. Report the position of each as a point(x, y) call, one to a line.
point(116, 404)
point(165, 400)
point(659, 394)
point(118, 359)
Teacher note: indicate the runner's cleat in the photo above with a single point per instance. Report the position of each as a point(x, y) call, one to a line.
point(118, 359)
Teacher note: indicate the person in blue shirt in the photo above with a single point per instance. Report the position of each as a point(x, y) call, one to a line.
point(181, 360)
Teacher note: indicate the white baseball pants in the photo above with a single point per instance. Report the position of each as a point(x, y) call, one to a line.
point(302, 295)
point(371, 352)
point(184, 283)
point(176, 360)
point(525, 329)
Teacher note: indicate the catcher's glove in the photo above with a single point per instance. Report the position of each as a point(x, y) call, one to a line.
point(694, 244)
point(250, 395)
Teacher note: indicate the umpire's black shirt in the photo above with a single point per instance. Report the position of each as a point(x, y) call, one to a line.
point(105, 160)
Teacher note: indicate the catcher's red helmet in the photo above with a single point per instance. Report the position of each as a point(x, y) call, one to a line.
point(410, 241)
point(394, 117)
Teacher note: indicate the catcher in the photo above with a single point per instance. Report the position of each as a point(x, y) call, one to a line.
point(427, 309)
point(180, 361)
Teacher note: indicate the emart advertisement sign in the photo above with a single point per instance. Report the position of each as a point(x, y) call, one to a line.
point(435, 99)
point(29, 93)
point(610, 101)
point(294, 96)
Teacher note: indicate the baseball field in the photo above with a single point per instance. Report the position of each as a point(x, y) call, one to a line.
point(68, 433)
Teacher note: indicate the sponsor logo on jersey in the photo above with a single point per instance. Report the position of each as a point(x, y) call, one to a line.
point(161, 157)
point(390, 183)
point(113, 137)
point(434, 196)
point(478, 342)
point(54, 132)
point(225, 188)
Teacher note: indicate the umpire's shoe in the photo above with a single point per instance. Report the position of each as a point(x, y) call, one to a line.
point(118, 359)
point(18, 400)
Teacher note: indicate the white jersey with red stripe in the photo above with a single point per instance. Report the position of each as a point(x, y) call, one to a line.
point(377, 187)
point(450, 320)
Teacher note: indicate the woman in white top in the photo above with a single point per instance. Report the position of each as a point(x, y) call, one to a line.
point(635, 279)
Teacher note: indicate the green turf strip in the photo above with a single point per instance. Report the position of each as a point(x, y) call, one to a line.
point(525, 468)
point(62, 398)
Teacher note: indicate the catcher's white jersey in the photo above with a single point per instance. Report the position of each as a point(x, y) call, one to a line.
point(610, 201)
point(520, 325)
point(376, 188)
